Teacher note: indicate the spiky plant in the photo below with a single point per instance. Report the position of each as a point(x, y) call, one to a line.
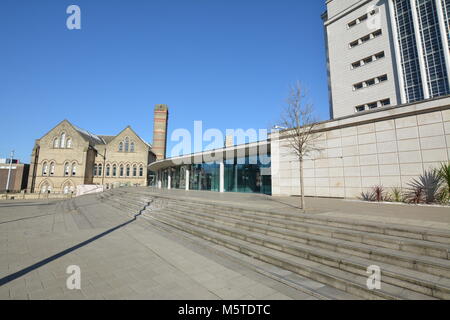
point(429, 183)
point(396, 195)
point(379, 193)
point(443, 196)
point(367, 196)
point(415, 195)
point(444, 174)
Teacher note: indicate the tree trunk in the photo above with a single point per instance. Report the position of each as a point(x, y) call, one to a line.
point(302, 186)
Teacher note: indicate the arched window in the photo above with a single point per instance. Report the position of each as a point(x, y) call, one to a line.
point(69, 143)
point(128, 170)
point(95, 170)
point(121, 170)
point(108, 170)
point(121, 147)
point(74, 169)
point(63, 140)
point(141, 171)
point(44, 169)
point(56, 143)
point(100, 169)
point(134, 171)
point(127, 144)
point(44, 188)
point(66, 169)
point(68, 188)
point(114, 170)
point(132, 147)
point(52, 168)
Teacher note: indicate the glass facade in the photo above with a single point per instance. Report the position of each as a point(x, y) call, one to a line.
point(412, 77)
point(430, 35)
point(205, 177)
point(248, 175)
point(446, 8)
point(429, 32)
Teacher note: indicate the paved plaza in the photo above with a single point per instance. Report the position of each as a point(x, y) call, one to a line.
point(122, 257)
point(119, 257)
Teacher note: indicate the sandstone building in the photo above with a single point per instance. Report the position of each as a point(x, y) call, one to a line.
point(68, 156)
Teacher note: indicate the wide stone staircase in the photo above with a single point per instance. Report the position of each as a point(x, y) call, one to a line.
point(414, 261)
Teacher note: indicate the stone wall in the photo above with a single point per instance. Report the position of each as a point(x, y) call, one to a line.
point(386, 147)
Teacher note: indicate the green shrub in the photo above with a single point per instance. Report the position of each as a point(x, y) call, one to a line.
point(444, 173)
point(427, 186)
point(379, 194)
point(367, 196)
point(415, 195)
point(396, 195)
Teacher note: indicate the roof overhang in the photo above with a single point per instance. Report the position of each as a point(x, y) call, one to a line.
point(217, 155)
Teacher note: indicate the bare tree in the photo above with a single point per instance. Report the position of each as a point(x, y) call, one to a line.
point(299, 124)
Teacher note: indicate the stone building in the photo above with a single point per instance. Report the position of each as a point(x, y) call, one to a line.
point(68, 156)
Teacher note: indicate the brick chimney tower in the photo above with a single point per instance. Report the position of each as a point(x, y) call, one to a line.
point(160, 122)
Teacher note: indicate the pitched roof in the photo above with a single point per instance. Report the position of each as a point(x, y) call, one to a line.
point(106, 139)
point(92, 138)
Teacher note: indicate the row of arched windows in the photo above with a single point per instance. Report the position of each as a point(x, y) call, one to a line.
point(67, 187)
point(126, 146)
point(48, 168)
point(62, 142)
point(119, 170)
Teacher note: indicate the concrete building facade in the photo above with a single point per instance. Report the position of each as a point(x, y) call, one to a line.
point(386, 53)
point(387, 147)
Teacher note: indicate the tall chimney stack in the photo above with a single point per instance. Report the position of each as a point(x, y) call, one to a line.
point(161, 118)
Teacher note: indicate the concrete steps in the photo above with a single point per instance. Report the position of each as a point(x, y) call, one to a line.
point(434, 266)
point(292, 279)
point(408, 279)
point(341, 280)
point(408, 232)
point(322, 235)
point(415, 262)
point(126, 202)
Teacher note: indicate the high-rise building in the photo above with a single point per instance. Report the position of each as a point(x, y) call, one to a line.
point(386, 53)
point(161, 118)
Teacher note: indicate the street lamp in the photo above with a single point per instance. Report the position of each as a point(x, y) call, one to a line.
point(279, 128)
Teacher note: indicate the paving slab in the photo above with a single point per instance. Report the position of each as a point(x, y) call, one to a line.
point(119, 258)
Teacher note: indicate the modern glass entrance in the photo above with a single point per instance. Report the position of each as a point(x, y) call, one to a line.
point(248, 175)
point(205, 176)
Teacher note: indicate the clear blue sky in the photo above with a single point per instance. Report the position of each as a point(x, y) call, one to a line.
point(226, 62)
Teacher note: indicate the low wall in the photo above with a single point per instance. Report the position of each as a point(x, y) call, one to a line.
point(88, 189)
point(386, 147)
point(34, 196)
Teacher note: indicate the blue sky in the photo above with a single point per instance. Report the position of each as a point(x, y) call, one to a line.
point(227, 63)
